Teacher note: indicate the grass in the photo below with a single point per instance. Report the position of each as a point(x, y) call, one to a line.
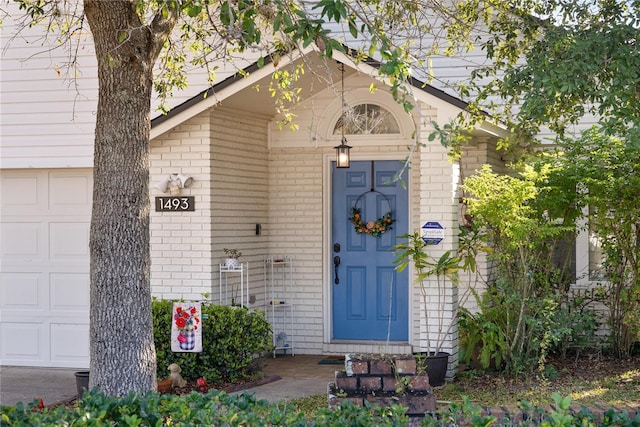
point(310, 403)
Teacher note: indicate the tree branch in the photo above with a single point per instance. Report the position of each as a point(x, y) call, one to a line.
point(160, 28)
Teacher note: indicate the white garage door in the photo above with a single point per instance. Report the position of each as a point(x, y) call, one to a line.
point(44, 267)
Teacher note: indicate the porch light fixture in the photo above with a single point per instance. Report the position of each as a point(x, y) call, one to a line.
point(174, 183)
point(342, 154)
point(342, 150)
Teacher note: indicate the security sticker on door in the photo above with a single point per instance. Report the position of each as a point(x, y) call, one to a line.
point(432, 233)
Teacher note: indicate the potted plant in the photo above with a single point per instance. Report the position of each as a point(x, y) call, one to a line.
point(165, 386)
point(231, 262)
point(426, 267)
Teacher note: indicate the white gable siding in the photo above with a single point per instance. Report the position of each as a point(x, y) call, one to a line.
point(47, 111)
point(47, 116)
point(47, 120)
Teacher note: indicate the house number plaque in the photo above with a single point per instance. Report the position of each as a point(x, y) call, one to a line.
point(175, 204)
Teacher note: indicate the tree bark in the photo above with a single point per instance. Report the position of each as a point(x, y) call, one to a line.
point(122, 352)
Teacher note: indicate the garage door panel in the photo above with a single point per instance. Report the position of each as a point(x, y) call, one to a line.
point(44, 258)
point(70, 193)
point(22, 293)
point(21, 241)
point(69, 292)
point(69, 241)
point(24, 343)
point(69, 343)
point(23, 192)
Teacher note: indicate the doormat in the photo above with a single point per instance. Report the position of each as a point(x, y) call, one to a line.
point(332, 360)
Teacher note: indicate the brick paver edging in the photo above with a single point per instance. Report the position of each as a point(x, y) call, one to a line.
point(517, 414)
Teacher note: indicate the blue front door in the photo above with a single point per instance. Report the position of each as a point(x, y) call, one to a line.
point(370, 298)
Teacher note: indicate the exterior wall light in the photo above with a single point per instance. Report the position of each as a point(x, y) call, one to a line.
point(174, 183)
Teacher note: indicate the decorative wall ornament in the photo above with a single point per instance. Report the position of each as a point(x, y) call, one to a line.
point(374, 228)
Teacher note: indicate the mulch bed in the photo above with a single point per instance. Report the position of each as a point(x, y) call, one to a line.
point(584, 368)
point(193, 386)
point(229, 388)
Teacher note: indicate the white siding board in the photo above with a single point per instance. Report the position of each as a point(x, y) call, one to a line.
point(42, 113)
point(45, 112)
point(36, 101)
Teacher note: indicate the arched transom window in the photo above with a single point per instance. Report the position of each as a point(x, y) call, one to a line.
point(367, 119)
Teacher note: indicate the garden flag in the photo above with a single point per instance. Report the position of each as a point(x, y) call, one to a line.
point(186, 327)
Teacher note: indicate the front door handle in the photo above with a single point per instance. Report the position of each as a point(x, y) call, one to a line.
point(336, 263)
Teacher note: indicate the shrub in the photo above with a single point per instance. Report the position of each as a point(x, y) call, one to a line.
point(578, 316)
point(213, 409)
point(609, 168)
point(232, 338)
point(221, 409)
point(525, 230)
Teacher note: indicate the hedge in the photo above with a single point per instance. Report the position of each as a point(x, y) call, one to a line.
point(232, 339)
point(221, 409)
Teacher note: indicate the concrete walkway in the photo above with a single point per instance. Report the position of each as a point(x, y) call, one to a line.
point(20, 384)
point(300, 376)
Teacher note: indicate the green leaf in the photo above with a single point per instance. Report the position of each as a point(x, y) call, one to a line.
point(352, 28)
point(194, 10)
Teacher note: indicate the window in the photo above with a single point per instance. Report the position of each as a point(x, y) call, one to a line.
point(367, 119)
point(596, 254)
point(589, 255)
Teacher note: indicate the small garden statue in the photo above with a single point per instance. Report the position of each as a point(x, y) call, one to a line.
point(175, 370)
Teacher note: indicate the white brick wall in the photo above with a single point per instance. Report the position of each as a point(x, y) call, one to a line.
point(482, 151)
point(225, 152)
point(240, 182)
point(181, 241)
point(437, 200)
point(295, 229)
point(239, 190)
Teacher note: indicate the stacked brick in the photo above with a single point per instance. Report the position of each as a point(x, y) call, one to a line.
point(383, 380)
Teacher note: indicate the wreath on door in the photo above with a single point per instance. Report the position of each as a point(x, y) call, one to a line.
point(374, 228)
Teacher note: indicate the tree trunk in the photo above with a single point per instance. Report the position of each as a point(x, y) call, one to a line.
point(122, 352)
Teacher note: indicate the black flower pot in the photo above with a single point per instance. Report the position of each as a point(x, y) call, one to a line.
point(82, 381)
point(435, 365)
